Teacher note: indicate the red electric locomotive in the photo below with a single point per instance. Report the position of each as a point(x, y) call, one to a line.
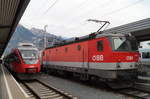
point(104, 56)
point(23, 61)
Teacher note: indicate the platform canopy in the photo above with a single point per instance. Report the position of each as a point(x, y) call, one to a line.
point(11, 12)
point(140, 29)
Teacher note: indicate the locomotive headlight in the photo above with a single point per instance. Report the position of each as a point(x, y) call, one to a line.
point(118, 65)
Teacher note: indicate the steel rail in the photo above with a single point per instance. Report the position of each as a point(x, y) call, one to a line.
point(133, 92)
point(31, 90)
point(42, 90)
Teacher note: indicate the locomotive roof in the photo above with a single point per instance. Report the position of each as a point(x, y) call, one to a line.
point(27, 48)
point(109, 34)
point(25, 44)
point(85, 38)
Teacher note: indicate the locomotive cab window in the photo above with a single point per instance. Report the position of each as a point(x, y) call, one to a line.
point(29, 54)
point(100, 45)
point(124, 44)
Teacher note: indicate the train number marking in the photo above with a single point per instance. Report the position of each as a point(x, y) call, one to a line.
point(98, 58)
point(129, 57)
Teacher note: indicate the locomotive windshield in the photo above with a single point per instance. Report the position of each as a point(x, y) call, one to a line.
point(29, 56)
point(124, 44)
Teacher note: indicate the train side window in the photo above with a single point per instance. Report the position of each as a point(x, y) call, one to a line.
point(14, 57)
point(145, 54)
point(66, 49)
point(100, 45)
point(79, 47)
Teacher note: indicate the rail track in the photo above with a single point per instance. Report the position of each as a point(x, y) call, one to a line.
point(136, 93)
point(39, 90)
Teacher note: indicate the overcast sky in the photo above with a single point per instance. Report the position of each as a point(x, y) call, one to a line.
point(68, 18)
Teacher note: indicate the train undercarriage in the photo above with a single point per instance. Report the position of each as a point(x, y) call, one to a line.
point(125, 78)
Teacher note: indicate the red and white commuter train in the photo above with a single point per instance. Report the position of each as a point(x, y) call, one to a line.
point(105, 56)
point(23, 60)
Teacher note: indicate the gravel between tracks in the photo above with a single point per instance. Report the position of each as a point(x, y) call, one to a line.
point(80, 90)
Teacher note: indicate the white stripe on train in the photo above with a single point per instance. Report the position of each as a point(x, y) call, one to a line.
point(92, 65)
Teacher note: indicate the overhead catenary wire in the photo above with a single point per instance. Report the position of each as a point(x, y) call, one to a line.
point(87, 12)
point(108, 2)
point(51, 6)
point(95, 7)
point(79, 6)
point(42, 5)
point(120, 9)
point(90, 10)
point(82, 4)
point(46, 11)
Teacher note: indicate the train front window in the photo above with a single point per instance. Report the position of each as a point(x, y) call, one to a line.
point(121, 44)
point(124, 44)
point(29, 54)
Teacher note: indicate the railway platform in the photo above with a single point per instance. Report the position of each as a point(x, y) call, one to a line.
point(9, 87)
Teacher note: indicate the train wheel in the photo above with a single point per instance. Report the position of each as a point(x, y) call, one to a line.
point(84, 77)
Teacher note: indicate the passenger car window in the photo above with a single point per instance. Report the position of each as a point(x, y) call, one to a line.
point(145, 54)
point(100, 45)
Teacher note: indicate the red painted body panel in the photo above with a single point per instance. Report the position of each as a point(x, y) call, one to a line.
point(108, 54)
point(72, 54)
point(89, 53)
point(106, 64)
point(21, 68)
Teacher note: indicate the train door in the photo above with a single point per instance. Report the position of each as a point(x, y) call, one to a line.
point(83, 59)
point(84, 53)
point(85, 62)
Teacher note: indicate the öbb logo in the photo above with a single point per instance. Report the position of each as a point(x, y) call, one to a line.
point(98, 58)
